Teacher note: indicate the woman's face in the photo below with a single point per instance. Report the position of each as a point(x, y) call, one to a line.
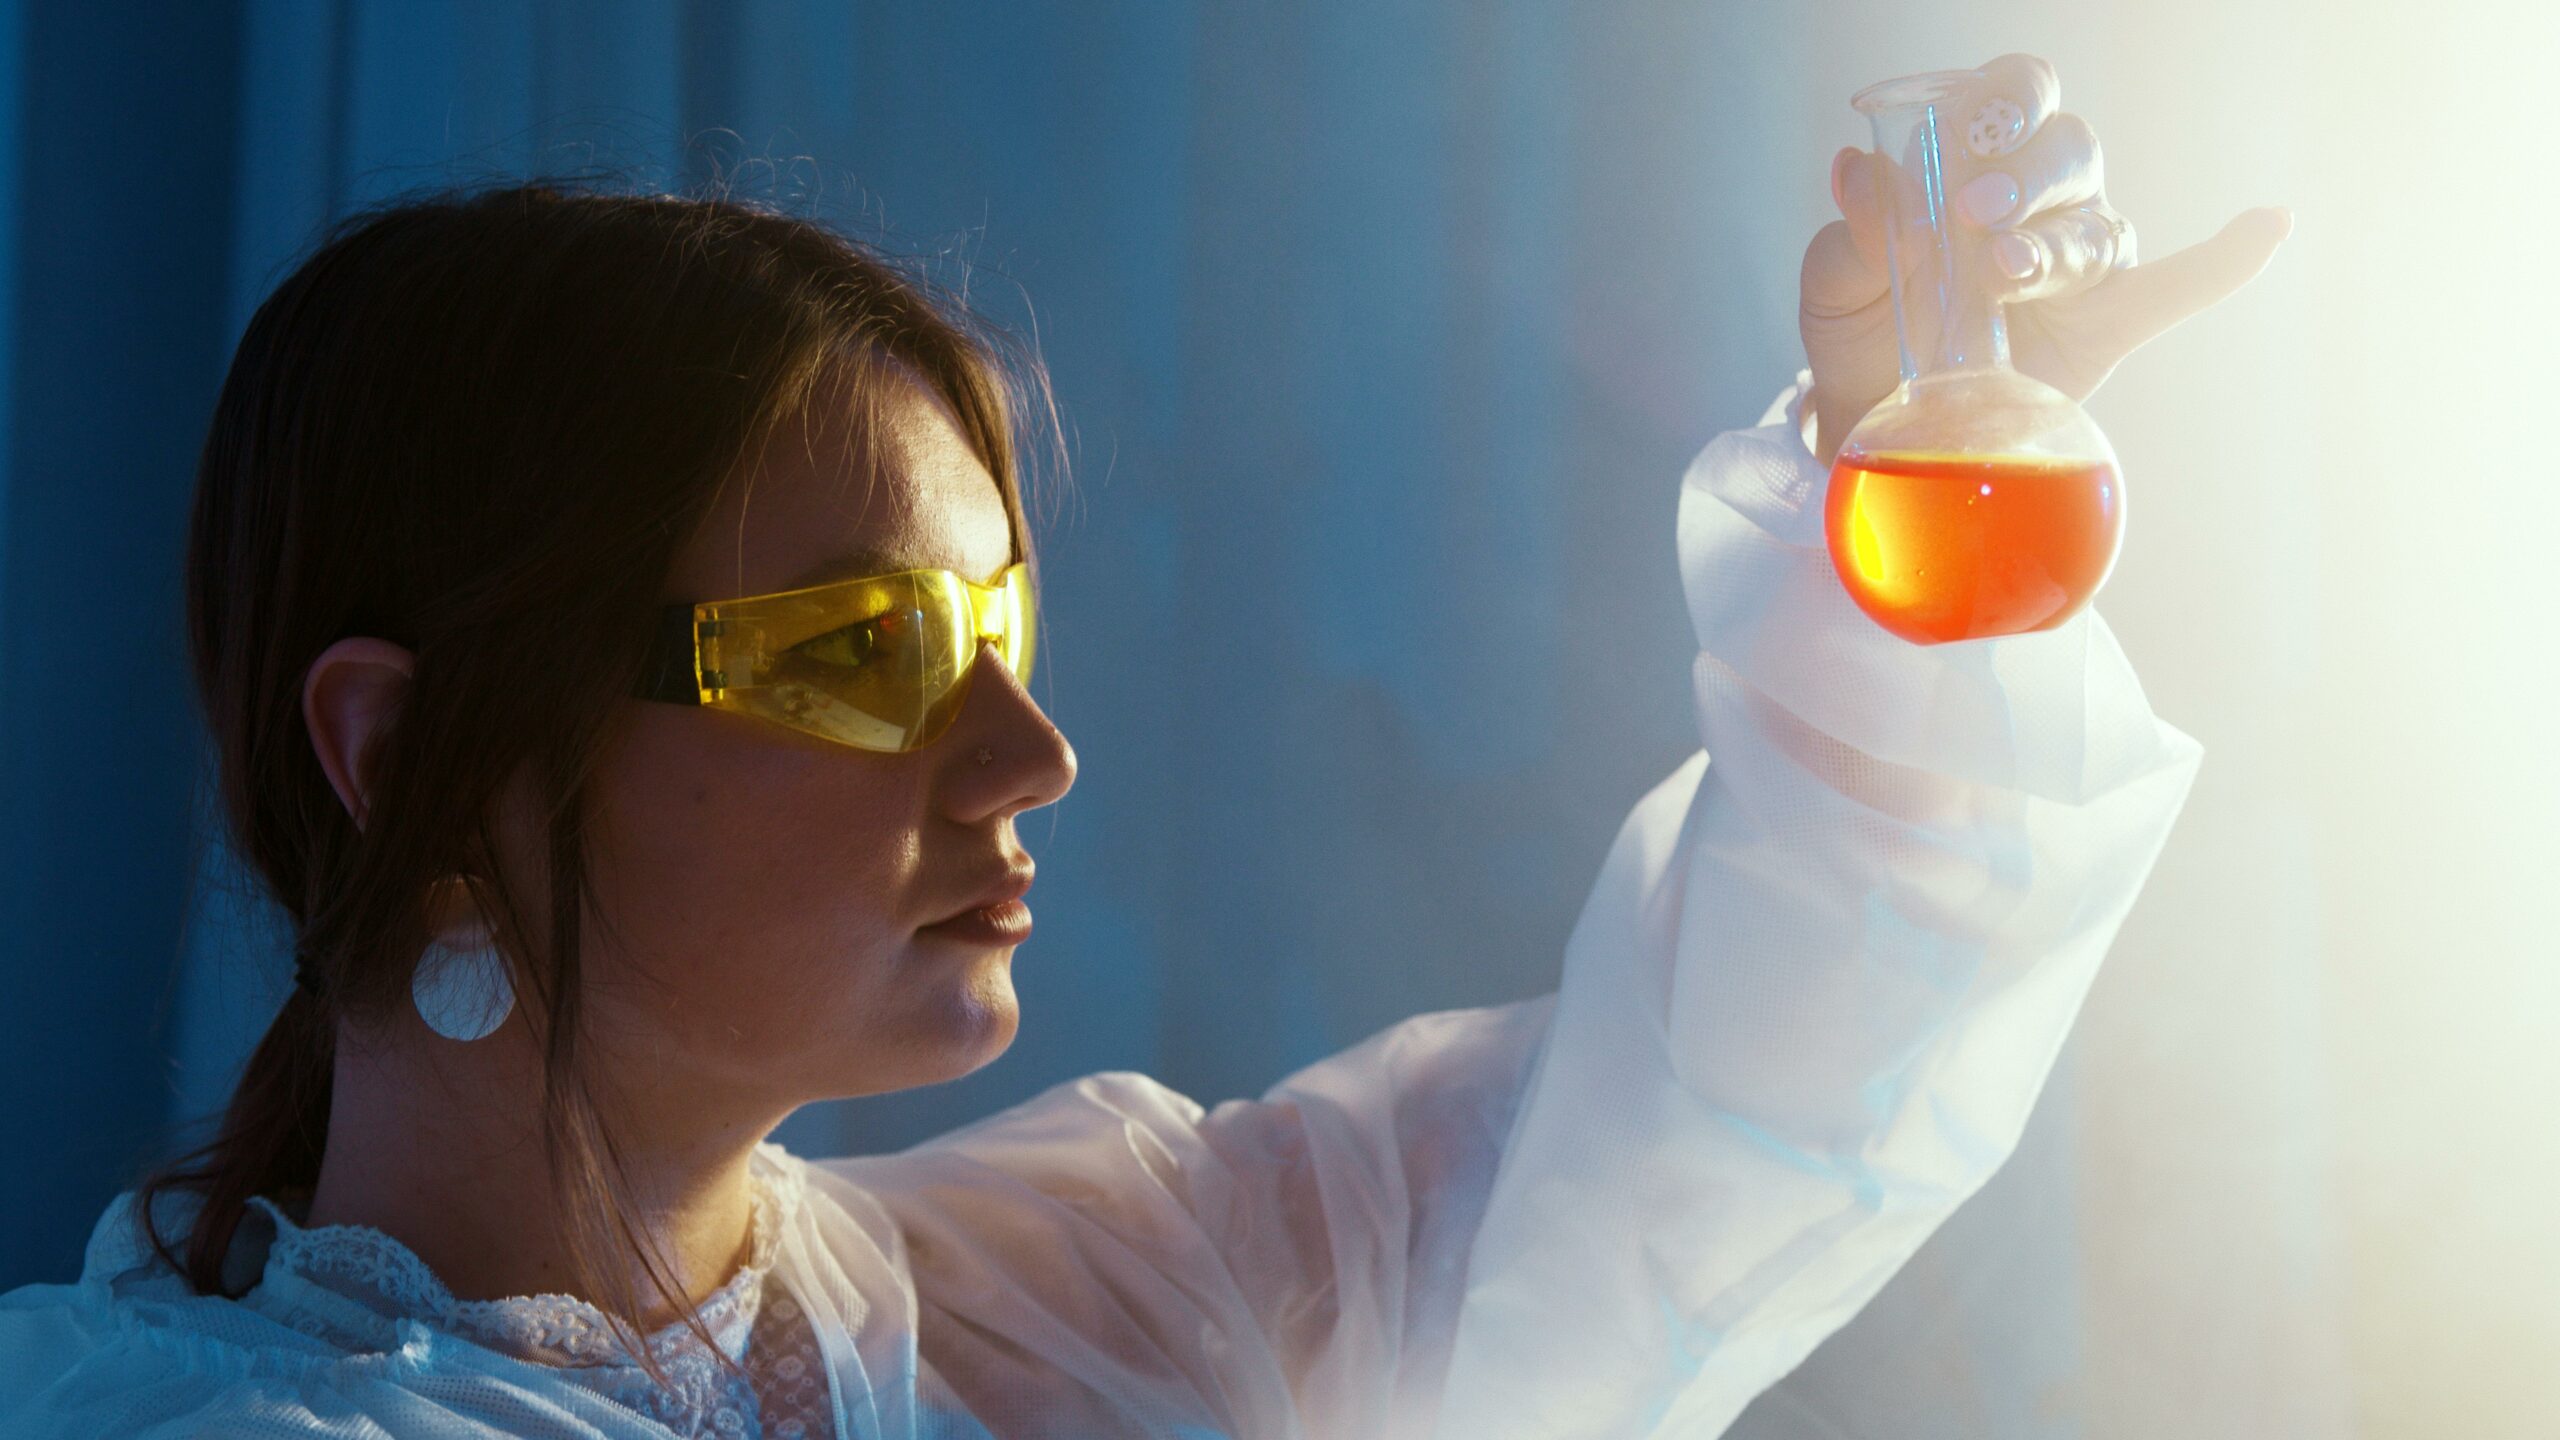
point(760, 889)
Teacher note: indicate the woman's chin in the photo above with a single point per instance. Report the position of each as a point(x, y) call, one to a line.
point(967, 1022)
point(974, 1023)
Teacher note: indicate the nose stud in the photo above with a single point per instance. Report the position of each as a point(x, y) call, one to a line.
point(985, 755)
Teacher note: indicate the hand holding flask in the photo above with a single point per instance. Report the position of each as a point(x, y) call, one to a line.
point(1975, 498)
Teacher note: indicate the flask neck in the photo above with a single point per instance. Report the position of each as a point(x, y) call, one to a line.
point(1948, 313)
point(1972, 333)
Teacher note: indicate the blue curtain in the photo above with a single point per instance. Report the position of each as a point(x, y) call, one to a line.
point(1385, 332)
point(1334, 345)
point(119, 166)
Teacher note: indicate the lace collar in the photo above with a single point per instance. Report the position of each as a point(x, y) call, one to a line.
point(351, 1279)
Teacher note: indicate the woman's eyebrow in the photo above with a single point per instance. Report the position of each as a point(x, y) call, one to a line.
point(852, 565)
point(864, 561)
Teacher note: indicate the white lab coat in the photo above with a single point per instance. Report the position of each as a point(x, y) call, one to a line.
point(1805, 1011)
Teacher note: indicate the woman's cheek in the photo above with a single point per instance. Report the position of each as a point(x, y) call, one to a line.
point(768, 890)
point(711, 825)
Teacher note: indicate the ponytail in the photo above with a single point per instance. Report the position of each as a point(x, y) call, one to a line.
point(269, 1143)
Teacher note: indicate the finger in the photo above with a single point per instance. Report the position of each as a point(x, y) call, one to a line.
point(2061, 252)
point(1873, 192)
point(2060, 167)
point(1863, 208)
point(1848, 265)
point(2144, 300)
point(2028, 89)
point(1851, 251)
point(1838, 278)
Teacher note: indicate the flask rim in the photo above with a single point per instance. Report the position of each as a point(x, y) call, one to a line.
point(1904, 91)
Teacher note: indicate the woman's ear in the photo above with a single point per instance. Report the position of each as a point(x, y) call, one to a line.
point(347, 695)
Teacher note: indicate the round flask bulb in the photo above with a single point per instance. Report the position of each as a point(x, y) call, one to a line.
point(1973, 504)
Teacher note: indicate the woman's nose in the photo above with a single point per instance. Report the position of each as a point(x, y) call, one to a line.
point(1028, 754)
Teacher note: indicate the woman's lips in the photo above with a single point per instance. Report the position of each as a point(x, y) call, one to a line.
point(1008, 923)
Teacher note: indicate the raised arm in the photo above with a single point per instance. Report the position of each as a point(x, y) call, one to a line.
point(1819, 984)
point(1805, 1011)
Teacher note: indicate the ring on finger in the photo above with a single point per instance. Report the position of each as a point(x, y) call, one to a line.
point(2119, 236)
point(2063, 250)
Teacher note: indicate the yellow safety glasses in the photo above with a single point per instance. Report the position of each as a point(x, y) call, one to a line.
point(878, 664)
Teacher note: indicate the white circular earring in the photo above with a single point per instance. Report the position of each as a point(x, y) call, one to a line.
point(462, 989)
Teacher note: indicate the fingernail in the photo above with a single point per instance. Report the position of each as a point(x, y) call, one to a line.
point(1997, 128)
point(1839, 163)
point(1988, 198)
point(2016, 255)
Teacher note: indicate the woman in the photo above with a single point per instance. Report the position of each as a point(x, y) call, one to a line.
point(613, 614)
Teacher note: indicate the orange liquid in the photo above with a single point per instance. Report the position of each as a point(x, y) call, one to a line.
point(1955, 547)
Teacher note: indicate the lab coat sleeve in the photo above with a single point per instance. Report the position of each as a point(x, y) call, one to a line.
point(1819, 984)
point(1805, 1010)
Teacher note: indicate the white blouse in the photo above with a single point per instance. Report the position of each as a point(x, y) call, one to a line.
point(352, 1287)
point(1804, 1013)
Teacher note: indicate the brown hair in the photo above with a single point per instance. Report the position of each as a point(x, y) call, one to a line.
point(480, 423)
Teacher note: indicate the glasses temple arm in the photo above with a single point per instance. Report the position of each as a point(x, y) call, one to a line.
point(669, 674)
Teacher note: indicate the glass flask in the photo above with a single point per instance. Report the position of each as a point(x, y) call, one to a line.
point(1974, 501)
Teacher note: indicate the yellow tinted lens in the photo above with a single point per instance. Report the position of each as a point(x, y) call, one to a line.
point(1014, 613)
point(877, 664)
point(860, 664)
